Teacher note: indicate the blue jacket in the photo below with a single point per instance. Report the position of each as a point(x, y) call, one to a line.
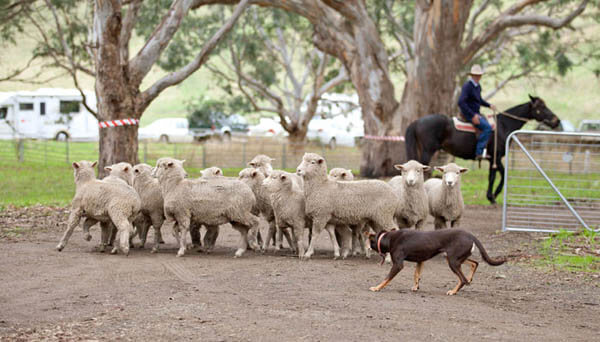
point(470, 100)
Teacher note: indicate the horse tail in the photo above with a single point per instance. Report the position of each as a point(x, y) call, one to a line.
point(411, 142)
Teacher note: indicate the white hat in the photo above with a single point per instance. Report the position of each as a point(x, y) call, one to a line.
point(476, 70)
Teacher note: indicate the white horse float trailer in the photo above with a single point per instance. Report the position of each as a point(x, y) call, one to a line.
point(47, 113)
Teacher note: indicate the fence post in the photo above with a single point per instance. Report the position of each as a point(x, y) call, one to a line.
point(283, 156)
point(21, 150)
point(67, 150)
point(203, 156)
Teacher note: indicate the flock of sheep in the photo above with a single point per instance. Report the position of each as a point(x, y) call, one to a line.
point(133, 198)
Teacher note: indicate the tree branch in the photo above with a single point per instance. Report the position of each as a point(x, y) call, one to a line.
point(127, 28)
point(510, 19)
point(473, 20)
point(181, 74)
point(501, 85)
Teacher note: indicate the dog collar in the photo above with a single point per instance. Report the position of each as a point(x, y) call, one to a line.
point(379, 247)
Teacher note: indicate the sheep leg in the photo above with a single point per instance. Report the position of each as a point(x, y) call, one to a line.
point(290, 239)
point(105, 229)
point(169, 224)
point(346, 235)
point(356, 240)
point(195, 235)
point(74, 218)
point(142, 225)
point(87, 224)
point(439, 223)
point(317, 226)
point(243, 246)
point(334, 242)
point(157, 221)
point(124, 227)
point(419, 224)
point(455, 223)
point(210, 238)
point(270, 233)
point(183, 221)
point(278, 239)
point(298, 230)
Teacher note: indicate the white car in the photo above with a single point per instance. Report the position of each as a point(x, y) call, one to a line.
point(267, 127)
point(336, 131)
point(167, 130)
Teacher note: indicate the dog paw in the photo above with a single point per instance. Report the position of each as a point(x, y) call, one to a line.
point(374, 289)
point(415, 288)
point(450, 293)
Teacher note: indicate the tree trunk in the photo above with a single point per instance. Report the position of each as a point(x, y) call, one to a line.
point(431, 80)
point(116, 99)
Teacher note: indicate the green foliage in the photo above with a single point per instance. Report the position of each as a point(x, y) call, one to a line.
point(559, 251)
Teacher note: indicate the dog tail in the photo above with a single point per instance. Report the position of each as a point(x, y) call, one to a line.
point(486, 257)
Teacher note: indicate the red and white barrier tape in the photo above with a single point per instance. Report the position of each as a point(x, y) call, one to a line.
point(118, 123)
point(383, 138)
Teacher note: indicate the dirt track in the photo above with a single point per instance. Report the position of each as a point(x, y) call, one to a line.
point(81, 294)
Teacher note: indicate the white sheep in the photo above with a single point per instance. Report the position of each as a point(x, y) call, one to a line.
point(288, 205)
point(152, 211)
point(340, 174)
point(100, 201)
point(445, 199)
point(413, 206)
point(330, 202)
point(211, 202)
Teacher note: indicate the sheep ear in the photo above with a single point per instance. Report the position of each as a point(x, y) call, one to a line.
point(108, 168)
point(320, 161)
point(272, 159)
point(170, 164)
point(75, 165)
point(464, 170)
point(126, 169)
point(426, 168)
point(94, 163)
point(439, 168)
point(136, 170)
point(399, 167)
point(254, 173)
point(253, 164)
point(183, 161)
point(283, 177)
point(218, 172)
point(344, 174)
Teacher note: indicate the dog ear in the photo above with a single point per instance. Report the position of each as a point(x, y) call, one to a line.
point(463, 170)
point(399, 167)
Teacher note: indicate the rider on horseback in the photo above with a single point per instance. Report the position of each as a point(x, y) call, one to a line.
point(469, 102)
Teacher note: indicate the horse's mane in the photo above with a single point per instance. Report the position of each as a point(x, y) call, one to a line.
point(519, 109)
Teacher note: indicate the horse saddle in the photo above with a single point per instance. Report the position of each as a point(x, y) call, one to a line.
point(462, 125)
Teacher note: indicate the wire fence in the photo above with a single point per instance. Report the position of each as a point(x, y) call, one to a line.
point(232, 154)
point(552, 182)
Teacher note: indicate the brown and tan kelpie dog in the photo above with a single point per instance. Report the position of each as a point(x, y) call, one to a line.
point(416, 246)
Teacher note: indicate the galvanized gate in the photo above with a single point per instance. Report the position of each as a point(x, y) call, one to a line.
point(552, 181)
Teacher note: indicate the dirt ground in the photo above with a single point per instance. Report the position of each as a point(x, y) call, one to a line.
point(81, 294)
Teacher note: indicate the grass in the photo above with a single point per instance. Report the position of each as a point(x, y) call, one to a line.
point(570, 251)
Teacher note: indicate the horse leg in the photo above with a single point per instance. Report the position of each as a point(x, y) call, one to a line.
point(501, 171)
point(491, 179)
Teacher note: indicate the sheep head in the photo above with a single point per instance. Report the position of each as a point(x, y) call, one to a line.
point(212, 172)
point(251, 176)
point(169, 167)
point(263, 163)
point(312, 166)
point(341, 174)
point(278, 180)
point(142, 169)
point(84, 170)
point(451, 174)
point(412, 172)
point(121, 170)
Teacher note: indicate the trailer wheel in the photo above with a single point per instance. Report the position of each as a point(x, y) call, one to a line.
point(61, 136)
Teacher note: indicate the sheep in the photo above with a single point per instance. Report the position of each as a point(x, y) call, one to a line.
point(211, 172)
point(288, 205)
point(340, 174)
point(413, 207)
point(211, 202)
point(263, 163)
point(212, 232)
point(343, 203)
point(445, 199)
point(101, 201)
point(152, 212)
point(358, 242)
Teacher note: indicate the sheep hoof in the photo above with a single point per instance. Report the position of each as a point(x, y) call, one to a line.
point(114, 250)
point(180, 253)
point(87, 237)
point(126, 252)
point(239, 253)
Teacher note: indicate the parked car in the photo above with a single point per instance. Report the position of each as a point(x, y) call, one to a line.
point(167, 130)
point(340, 130)
point(217, 124)
point(589, 126)
point(267, 127)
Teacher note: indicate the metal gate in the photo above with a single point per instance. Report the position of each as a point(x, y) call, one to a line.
point(552, 181)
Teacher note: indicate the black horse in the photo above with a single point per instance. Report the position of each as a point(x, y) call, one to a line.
point(436, 131)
